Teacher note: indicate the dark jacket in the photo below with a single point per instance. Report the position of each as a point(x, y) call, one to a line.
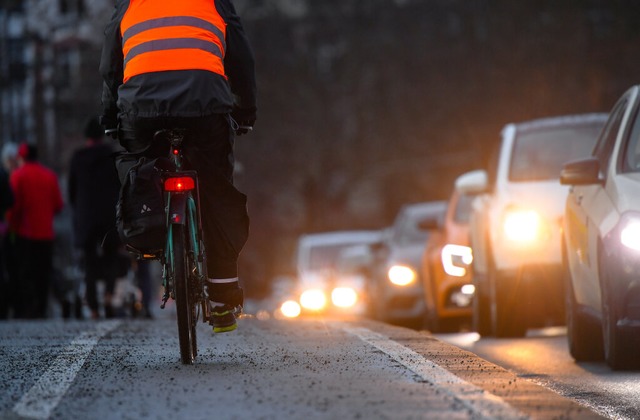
point(93, 193)
point(178, 93)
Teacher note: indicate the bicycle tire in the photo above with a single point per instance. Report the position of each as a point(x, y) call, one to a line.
point(185, 307)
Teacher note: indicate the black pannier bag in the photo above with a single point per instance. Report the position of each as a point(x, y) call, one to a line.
point(140, 212)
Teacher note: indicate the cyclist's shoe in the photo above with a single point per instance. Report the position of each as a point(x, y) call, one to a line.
point(223, 319)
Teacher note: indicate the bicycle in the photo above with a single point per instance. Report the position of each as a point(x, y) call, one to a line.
point(183, 258)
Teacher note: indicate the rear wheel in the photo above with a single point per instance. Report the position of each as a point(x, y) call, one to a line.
point(185, 304)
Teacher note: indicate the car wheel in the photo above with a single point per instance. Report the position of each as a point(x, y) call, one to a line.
point(506, 310)
point(617, 353)
point(481, 317)
point(584, 336)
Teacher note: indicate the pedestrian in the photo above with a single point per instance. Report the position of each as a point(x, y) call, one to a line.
point(188, 64)
point(146, 285)
point(6, 201)
point(37, 199)
point(93, 193)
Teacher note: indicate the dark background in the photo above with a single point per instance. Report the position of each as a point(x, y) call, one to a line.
point(364, 105)
point(367, 105)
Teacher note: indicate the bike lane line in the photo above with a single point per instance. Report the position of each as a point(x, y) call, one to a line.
point(43, 397)
point(479, 401)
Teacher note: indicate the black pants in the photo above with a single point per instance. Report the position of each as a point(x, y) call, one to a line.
point(34, 268)
point(100, 263)
point(209, 150)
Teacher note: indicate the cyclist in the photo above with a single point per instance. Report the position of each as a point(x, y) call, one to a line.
point(188, 64)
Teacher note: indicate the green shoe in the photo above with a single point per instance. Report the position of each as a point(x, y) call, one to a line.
point(223, 320)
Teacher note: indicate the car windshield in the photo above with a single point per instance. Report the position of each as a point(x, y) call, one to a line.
point(539, 155)
point(409, 232)
point(325, 257)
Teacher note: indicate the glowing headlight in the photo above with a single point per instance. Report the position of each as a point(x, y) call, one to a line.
point(344, 297)
point(522, 225)
point(630, 235)
point(290, 309)
point(456, 259)
point(401, 275)
point(313, 299)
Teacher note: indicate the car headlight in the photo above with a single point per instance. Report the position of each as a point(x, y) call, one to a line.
point(630, 233)
point(290, 309)
point(344, 297)
point(456, 259)
point(313, 299)
point(522, 225)
point(401, 275)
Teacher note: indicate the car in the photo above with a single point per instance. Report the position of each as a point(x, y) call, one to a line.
point(396, 292)
point(321, 287)
point(516, 220)
point(601, 242)
point(447, 270)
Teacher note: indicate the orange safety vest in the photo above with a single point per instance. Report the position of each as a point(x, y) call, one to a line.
point(161, 35)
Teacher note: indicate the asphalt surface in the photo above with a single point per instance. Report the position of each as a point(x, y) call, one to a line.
point(268, 369)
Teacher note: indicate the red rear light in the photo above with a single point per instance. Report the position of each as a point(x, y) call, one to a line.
point(177, 184)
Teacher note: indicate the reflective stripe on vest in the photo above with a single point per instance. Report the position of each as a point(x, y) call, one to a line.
point(163, 35)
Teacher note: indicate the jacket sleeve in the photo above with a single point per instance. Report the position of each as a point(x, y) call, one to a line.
point(239, 61)
point(112, 65)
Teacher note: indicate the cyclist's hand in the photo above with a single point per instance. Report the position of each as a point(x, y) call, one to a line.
point(245, 118)
point(111, 132)
point(243, 128)
point(110, 126)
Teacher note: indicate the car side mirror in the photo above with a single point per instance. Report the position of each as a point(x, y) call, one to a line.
point(581, 172)
point(473, 183)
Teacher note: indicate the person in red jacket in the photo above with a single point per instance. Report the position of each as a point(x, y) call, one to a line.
point(188, 64)
point(37, 199)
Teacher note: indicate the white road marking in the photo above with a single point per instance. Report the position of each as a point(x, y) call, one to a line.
point(43, 397)
point(479, 401)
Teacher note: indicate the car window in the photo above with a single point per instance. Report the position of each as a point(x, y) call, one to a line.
point(538, 155)
point(325, 257)
point(631, 162)
point(607, 140)
point(409, 232)
point(463, 209)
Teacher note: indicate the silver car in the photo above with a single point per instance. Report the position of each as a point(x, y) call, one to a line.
point(396, 292)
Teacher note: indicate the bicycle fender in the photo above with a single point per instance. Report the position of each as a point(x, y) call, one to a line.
point(178, 209)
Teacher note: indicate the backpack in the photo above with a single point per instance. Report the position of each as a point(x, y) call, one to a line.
point(140, 212)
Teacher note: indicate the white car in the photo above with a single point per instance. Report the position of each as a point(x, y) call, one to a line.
point(396, 290)
point(602, 242)
point(321, 285)
point(515, 224)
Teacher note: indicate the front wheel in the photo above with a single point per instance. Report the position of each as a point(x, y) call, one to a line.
point(507, 317)
point(481, 315)
point(185, 305)
point(619, 352)
point(583, 337)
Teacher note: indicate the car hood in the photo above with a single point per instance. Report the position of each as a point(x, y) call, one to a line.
point(547, 197)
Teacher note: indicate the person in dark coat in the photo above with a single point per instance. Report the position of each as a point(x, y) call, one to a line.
point(93, 193)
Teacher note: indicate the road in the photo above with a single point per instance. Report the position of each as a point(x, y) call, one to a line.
point(543, 357)
point(268, 369)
